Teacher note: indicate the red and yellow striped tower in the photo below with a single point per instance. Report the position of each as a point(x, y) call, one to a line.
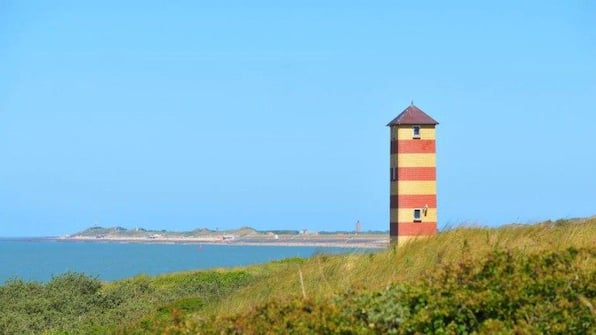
point(413, 196)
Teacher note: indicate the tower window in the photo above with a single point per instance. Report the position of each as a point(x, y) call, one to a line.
point(393, 174)
point(417, 215)
point(416, 132)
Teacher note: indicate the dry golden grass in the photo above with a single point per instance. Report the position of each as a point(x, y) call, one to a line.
point(326, 275)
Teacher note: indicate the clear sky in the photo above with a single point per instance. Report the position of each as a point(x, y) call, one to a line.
point(271, 114)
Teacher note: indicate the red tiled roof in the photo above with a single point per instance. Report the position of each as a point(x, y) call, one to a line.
point(412, 115)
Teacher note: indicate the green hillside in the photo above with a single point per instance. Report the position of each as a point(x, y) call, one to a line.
point(121, 232)
point(524, 279)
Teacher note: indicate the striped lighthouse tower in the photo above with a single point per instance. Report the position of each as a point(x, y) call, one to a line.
point(413, 196)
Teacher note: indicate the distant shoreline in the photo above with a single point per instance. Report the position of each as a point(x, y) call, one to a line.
point(353, 241)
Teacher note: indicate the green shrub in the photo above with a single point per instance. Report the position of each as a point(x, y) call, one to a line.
point(64, 303)
point(182, 295)
point(508, 292)
point(74, 303)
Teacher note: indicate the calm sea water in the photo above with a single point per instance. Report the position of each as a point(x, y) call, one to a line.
point(40, 260)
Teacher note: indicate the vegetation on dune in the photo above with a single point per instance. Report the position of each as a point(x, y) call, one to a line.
point(74, 303)
point(525, 279)
point(326, 275)
point(508, 292)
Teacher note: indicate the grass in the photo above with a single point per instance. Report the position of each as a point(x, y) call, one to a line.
point(327, 275)
point(507, 292)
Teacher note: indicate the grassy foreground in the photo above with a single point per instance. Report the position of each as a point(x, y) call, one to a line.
point(525, 279)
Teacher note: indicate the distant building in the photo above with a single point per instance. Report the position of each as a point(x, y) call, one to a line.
point(413, 184)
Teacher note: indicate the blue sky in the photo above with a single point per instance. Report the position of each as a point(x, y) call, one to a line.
point(271, 114)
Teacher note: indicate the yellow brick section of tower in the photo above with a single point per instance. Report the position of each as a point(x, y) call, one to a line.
point(402, 240)
point(413, 187)
point(413, 160)
point(405, 133)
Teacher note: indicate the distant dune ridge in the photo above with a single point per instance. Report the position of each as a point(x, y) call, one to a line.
point(240, 236)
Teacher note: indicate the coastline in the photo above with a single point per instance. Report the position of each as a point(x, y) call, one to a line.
point(357, 241)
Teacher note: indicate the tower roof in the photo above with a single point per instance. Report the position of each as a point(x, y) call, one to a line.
point(412, 115)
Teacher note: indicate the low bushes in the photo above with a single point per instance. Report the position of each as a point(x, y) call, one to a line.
point(508, 292)
point(74, 303)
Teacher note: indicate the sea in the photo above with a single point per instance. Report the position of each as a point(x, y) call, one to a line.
point(41, 259)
